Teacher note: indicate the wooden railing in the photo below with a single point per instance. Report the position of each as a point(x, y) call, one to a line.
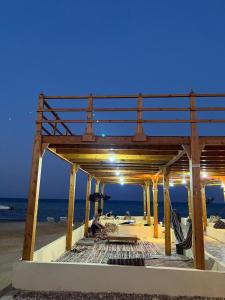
point(58, 126)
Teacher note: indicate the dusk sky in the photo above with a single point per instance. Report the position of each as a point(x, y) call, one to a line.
point(103, 47)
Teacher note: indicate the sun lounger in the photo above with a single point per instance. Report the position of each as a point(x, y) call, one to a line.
point(50, 219)
point(63, 219)
point(122, 237)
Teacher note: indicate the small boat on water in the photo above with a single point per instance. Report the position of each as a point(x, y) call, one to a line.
point(6, 207)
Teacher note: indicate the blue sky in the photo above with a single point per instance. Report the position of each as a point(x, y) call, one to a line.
point(78, 47)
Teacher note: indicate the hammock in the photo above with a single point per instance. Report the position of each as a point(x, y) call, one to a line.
point(183, 243)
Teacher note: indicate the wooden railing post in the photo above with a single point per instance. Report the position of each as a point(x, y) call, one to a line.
point(102, 192)
point(195, 186)
point(54, 126)
point(33, 197)
point(147, 187)
point(87, 205)
point(144, 202)
point(96, 191)
point(167, 216)
point(155, 205)
point(70, 217)
point(139, 136)
point(89, 136)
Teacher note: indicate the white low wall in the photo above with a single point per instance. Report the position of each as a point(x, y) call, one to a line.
point(124, 279)
point(218, 234)
point(55, 249)
point(212, 263)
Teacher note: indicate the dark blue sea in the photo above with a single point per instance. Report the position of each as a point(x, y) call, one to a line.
point(58, 208)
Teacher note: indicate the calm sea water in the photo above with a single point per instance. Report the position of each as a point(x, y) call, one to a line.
point(58, 208)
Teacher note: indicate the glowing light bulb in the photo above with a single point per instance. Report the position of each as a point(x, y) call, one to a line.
point(171, 184)
point(184, 181)
point(121, 181)
point(111, 158)
point(117, 173)
point(204, 175)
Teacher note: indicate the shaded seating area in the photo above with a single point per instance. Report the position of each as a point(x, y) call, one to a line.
point(145, 253)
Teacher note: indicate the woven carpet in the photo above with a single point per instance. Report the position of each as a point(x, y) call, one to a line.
point(102, 251)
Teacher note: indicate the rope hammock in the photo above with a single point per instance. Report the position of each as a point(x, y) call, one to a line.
point(183, 242)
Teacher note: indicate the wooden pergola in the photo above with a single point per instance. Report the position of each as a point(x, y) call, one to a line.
point(192, 160)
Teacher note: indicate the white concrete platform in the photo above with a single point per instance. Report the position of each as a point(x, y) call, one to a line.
point(124, 279)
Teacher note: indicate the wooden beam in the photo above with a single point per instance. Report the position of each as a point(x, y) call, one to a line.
point(89, 136)
point(139, 135)
point(33, 197)
point(147, 187)
point(59, 155)
point(167, 212)
point(155, 204)
point(143, 151)
point(96, 200)
point(124, 148)
point(114, 141)
point(87, 205)
point(116, 157)
point(102, 200)
point(172, 161)
point(57, 118)
point(144, 202)
point(70, 216)
point(189, 201)
point(175, 159)
point(198, 238)
point(204, 208)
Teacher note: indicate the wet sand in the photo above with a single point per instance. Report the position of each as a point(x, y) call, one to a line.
point(11, 242)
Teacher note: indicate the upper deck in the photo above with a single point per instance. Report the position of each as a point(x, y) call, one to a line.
point(130, 138)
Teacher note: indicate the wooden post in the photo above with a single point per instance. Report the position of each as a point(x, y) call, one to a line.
point(35, 177)
point(204, 209)
point(87, 205)
point(147, 187)
point(70, 214)
point(189, 201)
point(194, 165)
point(89, 136)
point(139, 136)
point(223, 190)
point(167, 212)
point(102, 200)
point(155, 205)
point(144, 201)
point(96, 200)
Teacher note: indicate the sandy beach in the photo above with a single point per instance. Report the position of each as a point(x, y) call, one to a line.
point(11, 241)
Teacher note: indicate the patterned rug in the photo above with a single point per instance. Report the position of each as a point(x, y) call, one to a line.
point(101, 252)
point(88, 251)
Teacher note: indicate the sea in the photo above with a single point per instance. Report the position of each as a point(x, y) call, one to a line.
point(57, 208)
